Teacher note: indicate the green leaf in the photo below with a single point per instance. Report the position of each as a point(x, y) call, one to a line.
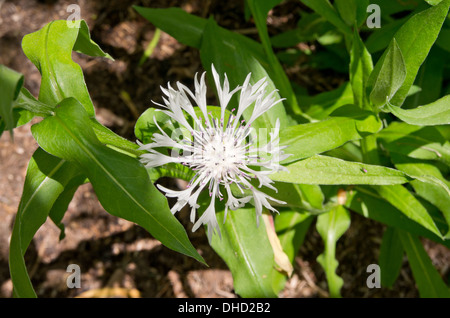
point(360, 68)
point(10, 84)
point(388, 76)
point(415, 39)
point(391, 256)
point(145, 126)
point(61, 204)
point(345, 124)
point(46, 179)
point(246, 250)
point(189, 32)
point(434, 194)
point(322, 105)
point(27, 101)
point(231, 56)
point(259, 11)
point(50, 50)
point(415, 141)
point(242, 51)
point(328, 170)
point(114, 141)
point(428, 280)
point(121, 183)
point(436, 113)
point(367, 202)
point(352, 11)
point(85, 45)
point(325, 9)
point(404, 201)
point(304, 196)
point(331, 226)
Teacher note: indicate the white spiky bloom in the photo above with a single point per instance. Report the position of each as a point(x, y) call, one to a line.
point(220, 153)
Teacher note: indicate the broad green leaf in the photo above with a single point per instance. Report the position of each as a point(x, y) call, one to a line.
point(231, 56)
point(415, 141)
point(386, 79)
point(114, 141)
point(246, 250)
point(391, 257)
point(242, 51)
point(85, 45)
point(415, 39)
point(430, 192)
point(428, 280)
point(10, 84)
point(345, 124)
point(349, 152)
point(436, 113)
point(404, 201)
point(145, 126)
point(369, 150)
point(46, 179)
point(360, 68)
point(189, 32)
point(121, 183)
point(308, 197)
point(322, 105)
point(367, 202)
point(328, 170)
point(331, 226)
point(352, 11)
point(325, 9)
point(259, 11)
point(50, 50)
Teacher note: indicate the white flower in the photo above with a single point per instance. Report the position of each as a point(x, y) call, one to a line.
point(221, 153)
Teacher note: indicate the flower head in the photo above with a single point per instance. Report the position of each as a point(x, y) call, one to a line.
point(221, 151)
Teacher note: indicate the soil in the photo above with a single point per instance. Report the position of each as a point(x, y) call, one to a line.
point(118, 258)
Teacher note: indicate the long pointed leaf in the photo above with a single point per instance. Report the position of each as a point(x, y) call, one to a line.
point(45, 181)
point(345, 124)
point(428, 280)
point(50, 49)
point(436, 113)
point(121, 183)
point(247, 251)
point(10, 85)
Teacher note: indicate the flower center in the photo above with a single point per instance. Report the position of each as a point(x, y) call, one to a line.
point(219, 154)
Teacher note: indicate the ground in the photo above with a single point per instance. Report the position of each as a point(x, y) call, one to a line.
point(118, 258)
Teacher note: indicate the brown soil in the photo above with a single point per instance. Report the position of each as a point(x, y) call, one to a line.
point(118, 258)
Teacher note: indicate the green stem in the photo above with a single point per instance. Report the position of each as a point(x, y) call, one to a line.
point(369, 149)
